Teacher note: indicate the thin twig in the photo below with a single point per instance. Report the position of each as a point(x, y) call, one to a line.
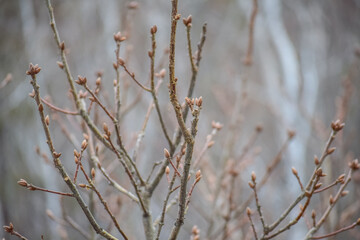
point(294, 171)
point(249, 53)
point(10, 229)
point(131, 178)
point(132, 75)
point(116, 185)
point(117, 86)
point(57, 108)
point(307, 188)
point(184, 179)
point(197, 179)
point(258, 206)
point(153, 91)
point(161, 218)
point(296, 220)
point(252, 223)
point(32, 187)
point(230, 205)
point(97, 100)
point(152, 170)
point(175, 168)
point(339, 180)
point(339, 231)
point(78, 162)
point(208, 144)
point(103, 202)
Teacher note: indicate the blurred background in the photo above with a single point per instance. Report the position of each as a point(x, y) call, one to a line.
point(304, 75)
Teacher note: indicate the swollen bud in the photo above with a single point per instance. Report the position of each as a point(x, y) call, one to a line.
point(198, 174)
point(330, 150)
point(121, 62)
point(313, 214)
point(60, 64)
point(166, 153)
point(253, 176)
point(294, 171)
point(93, 173)
point(84, 144)
point(47, 121)
point(76, 159)
point(344, 193)
point(22, 183)
point(316, 160)
point(248, 211)
point(153, 30)
point(56, 155)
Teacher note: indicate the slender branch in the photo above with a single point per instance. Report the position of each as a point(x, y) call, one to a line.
point(32, 187)
point(190, 92)
point(132, 75)
point(295, 172)
point(153, 91)
point(57, 108)
point(168, 206)
point(353, 225)
point(324, 154)
point(116, 185)
point(208, 144)
point(97, 100)
point(310, 183)
point(172, 88)
point(117, 38)
point(131, 178)
point(197, 179)
point(258, 206)
point(103, 202)
point(78, 162)
point(127, 156)
point(33, 70)
point(249, 53)
point(340, 179)
point(251, 222)
point(161, 219)
point(61, 46)
point(296, 220)
point(152, 170)
point(172, 164)
point(230, 205)
point(188, 156)
point(187, 22)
